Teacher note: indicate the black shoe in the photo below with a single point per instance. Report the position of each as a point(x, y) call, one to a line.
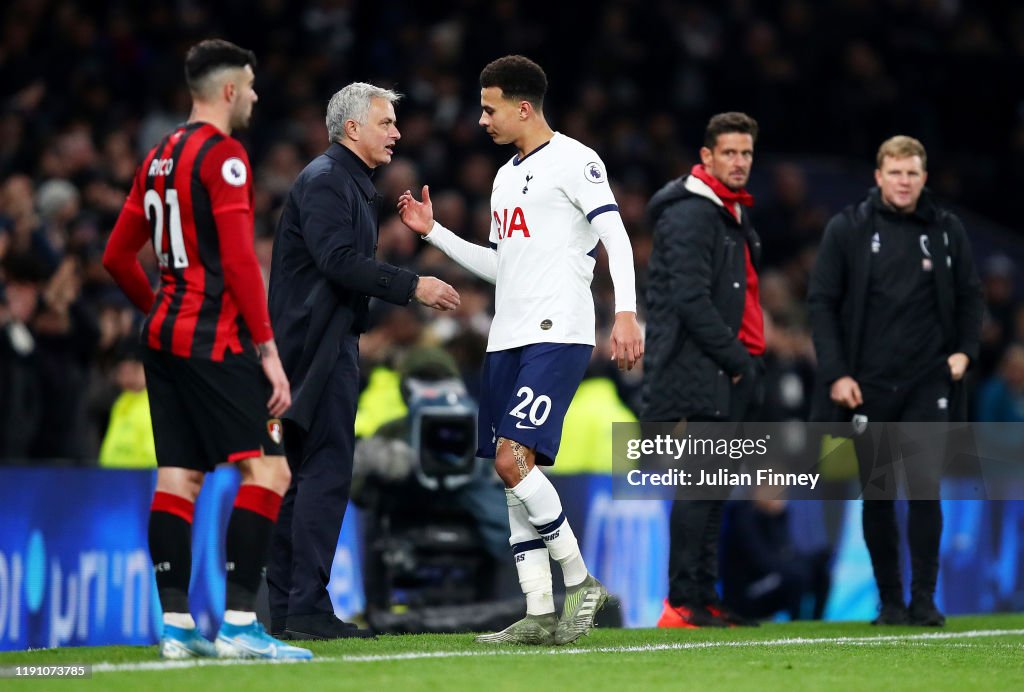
point(731, 617)
point(892, 614)
point(322, 626)
point(923, 613)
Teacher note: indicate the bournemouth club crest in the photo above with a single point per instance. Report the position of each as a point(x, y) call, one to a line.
point(275, 430)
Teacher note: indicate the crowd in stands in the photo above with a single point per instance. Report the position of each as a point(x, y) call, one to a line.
point(86, 91)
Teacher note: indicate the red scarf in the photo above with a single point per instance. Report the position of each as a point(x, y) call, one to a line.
point(729, 197)
point(752, 326)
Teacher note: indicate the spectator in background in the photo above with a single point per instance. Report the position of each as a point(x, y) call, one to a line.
point(128, 442)
point(47, 350)
point(788, 369)
point(27, 235)
point(1001, 398)
point(20, 388)
point(789, 354)
point(763, 571)
point(58, 202)
point(392, 332)
point(998, 328)
point(790, 222)
point(66, 334)
point(896, 308)
point(116, 321)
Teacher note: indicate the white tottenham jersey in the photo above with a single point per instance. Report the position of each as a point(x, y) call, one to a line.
point(541, 207)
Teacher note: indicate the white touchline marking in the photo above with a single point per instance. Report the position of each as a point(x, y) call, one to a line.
point(532, 651)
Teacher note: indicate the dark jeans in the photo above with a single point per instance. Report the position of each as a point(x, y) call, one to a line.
point(306, 536)
point(879, 476)
point(695, 525)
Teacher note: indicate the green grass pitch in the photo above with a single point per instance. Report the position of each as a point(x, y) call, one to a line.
point(977, 652)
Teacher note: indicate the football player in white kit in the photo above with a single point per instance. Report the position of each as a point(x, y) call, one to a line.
point(550, 206)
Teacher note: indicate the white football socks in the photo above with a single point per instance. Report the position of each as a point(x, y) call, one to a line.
point(531, 556)
point(239, 617)
point(182, 620)
point(545, 513)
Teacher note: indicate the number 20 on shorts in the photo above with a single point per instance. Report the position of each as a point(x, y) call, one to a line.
point(537, 408)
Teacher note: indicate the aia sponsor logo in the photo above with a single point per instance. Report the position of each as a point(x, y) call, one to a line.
point(507, 223)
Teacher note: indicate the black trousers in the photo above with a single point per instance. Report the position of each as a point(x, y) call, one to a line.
point(306, 536)
point(927, 400)
point(695, 525)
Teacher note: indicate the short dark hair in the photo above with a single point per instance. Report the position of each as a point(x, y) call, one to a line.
point(213, 54)
point(727, 123)
point(518, 77)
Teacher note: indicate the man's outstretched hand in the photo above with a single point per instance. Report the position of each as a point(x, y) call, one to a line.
point(419, 216)
point(434, 293)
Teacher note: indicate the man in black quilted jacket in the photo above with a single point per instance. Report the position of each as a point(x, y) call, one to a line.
point(705, 337)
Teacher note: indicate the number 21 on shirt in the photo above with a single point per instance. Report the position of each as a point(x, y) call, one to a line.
point(156, 215)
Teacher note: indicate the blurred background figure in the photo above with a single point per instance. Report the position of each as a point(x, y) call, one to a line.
point(1001, 398)
point(128, 442)
point(20, 388)
point(999, 322)
point(764, 573)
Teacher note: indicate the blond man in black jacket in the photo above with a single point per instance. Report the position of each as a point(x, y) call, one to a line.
point(896, 305)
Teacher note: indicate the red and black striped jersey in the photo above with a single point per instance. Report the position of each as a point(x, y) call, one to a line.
point(194, 189)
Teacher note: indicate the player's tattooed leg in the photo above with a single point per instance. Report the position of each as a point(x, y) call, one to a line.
point(519, 453)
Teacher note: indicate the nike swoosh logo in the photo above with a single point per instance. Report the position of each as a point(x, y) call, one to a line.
point(269, 648)
point(526, 427)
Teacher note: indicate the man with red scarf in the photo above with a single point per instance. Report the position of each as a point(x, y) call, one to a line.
point(705, 337)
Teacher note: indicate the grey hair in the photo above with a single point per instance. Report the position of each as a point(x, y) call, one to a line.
point(53, 195)
point(353, 103)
